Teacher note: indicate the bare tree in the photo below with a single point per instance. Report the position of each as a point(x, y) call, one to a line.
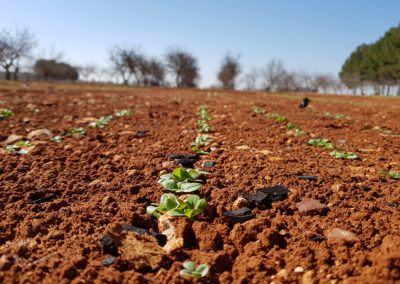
point(156, 72)
point(324, 82)
point(250, 79)
point(87, 71)
point(119, 64)
point(14, 47)
point(272, 74)
point(183, 66)
point(230, 69)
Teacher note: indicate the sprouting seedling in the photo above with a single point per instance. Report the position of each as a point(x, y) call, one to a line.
point(34, 110)
point(343, 155)
point(291, 125)
point(190, 207)
point(101, 122)
point(192, 271)
point(273, 115)
point(298, 132)
point(77, 130)
point(19, 147)
point(124, 112)
point(281, 118)
point(57, 138)
point(182, 180)
point(321, 142)
point(202, 141)
point(200, 152)
point(391, 174)
point(6, 113)
point(258, 110)
point(380, 129)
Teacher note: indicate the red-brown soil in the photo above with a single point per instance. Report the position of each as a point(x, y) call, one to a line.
point(109, 177)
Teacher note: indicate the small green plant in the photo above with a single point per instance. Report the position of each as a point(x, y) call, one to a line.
point(6, 113)
point(57, 138)
point(77, 130)
point(321, 142)
point(204, 127)
point(190, 207)
point(192, 271)
point(200, 152)
point(273, 115)
point(391, 174)
point(377, 128)
point(101, 122)
point(34, 110)
point(121, 113)
point(281, 118)
point(291, 125)
point(298, 132)
point(19, 147)
point(258, 110)
point(182, 180)
point(344, 155)
point(202, 141)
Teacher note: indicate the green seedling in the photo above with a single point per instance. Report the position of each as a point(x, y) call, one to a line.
point(281, 118)
point(121, 113)
point(19, 147)
point(57, 138)
point(337, 115)
point(192, 271)
point(344, 155)
point(377, 128)
point(77, 130)
point(101, 122)
point(273, 115)
point(391, 174)
point(6, 113)
point(258, 110)
point(200, 152)
point(202, 141)
point(190, 207)
point(298, 132)
point(291, 125)
point(182, 180)
point(321, 142)
point(35, 110)
point(204, 127)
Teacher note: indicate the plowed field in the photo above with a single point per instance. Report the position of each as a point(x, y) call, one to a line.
point(60, 199)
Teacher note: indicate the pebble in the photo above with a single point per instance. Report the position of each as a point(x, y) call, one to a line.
point(308, 277)
point(209, 164)
point(312, 207)
point(299, 269)
point(108, 260)
point(340, 234)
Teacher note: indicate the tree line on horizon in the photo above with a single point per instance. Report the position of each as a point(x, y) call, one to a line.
point(375, 65)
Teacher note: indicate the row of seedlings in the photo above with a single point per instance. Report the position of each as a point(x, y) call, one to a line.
point(183, 180)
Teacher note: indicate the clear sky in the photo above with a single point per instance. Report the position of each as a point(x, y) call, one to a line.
point(311, 35)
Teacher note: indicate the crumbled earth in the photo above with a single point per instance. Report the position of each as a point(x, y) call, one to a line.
point(58, 201)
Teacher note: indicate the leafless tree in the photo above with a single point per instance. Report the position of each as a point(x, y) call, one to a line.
point(183, 66)
point(272, 74)
point(324, 82)
point(14, 47)
point(230, 69)
point(117, 57)
point(87, 72)
point(156, 72)
point(251, 79)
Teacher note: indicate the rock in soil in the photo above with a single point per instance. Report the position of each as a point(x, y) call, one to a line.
point(312, 207)
point(337, 234)
point(309, 178)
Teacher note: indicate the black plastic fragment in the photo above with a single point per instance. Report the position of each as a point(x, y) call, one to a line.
point(187, 163)
point(209, 164)
point(108, 260)
point(1, 171)
point(240, 215)
point(43, 199)
point(276, 193)
point(304, 103)
point(108, 246)
point(141, 134)
point(309, 178)
point(184, 157)
point(316, 238)
point(391, 204)
point(161, 239)
point(258, 197)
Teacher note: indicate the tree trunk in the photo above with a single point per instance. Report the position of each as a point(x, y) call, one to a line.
point(8, 74)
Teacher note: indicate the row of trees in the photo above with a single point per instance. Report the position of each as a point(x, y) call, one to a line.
point(375, 65)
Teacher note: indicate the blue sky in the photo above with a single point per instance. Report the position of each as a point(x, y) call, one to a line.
point(311, 35)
